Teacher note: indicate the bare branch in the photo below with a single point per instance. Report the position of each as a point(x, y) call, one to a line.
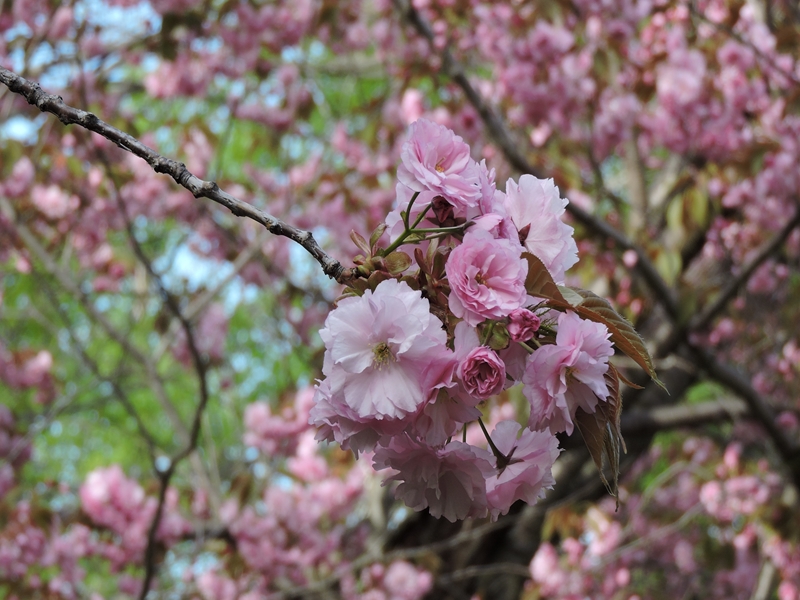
point(760, 409)
point(726, 295)
point(664, 418)
point(68, 115)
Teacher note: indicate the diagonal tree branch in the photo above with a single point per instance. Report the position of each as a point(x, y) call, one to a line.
point(68, 115)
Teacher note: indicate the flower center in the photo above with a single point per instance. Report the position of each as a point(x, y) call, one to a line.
point(382, 355)
point(439, 167)
point(479, 279)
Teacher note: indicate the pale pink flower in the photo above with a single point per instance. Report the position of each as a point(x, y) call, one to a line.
point(53, 202)
point(21, 178)
point(436, 159)
point(338, 422)
point(443, 417)
point(536, 208)
point(487, 278)
point(562, 377)
point(522, 324)
point(480, 369)
point(390, 350)
point(404, 581)
point(449, 481)
point(528, 472)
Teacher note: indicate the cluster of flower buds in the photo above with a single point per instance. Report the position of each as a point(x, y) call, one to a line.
point(411, 355)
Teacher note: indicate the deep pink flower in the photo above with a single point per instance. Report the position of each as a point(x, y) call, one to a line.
point(528, 472)
point(436, 159)
point(481, 371)
point(536, 208)
point(449, 481)
point(487, 278)
point(522, 324)
point(561, 378)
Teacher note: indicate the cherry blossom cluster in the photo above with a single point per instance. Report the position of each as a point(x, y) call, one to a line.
point(411, 358)
point(121, 506)
point(724, 502)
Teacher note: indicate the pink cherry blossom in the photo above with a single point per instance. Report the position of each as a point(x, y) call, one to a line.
point(445, 415)
point(449, 481)
point(536, 208)
point(53, 202)
point(522, 325)
point(390, 350)
point(562, 377)
point(337, 421)
point(437, 160)
point(487, 278)
point(480, 369)
point(528, 472)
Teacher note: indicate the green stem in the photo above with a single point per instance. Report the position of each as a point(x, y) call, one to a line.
point(407, 212)
point(455, 229)
point(421, 216)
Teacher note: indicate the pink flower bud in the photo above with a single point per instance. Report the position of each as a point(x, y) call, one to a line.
point(522, 324)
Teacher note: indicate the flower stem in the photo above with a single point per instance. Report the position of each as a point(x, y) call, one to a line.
point(407, 212)
point(495, 449)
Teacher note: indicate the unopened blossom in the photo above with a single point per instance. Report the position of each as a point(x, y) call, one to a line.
point(487, 278)
point(449, 481)
point(480, 370)
point(437, 160)
point(536, 208)
point(570, 374)
point(522, 325)
point(527, 469)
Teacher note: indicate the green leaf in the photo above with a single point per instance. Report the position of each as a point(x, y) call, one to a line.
point(397, 262)
point(594, 308)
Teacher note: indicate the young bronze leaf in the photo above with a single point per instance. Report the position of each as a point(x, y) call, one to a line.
point(539, 282)
point(602, 434)
point(594, 430)
point(628, 382)
point(612, 407)
point(623, 335)
point(360, 242)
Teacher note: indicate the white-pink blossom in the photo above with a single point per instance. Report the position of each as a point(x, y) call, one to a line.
point(536, 209)
point(436, 159)
point(53, 202)
point(449, 481)
point(487, 278)
point(562, 377)
point(528, 470)
point(390, 348)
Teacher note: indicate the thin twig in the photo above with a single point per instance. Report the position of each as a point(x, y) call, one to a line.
point(68, 115)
